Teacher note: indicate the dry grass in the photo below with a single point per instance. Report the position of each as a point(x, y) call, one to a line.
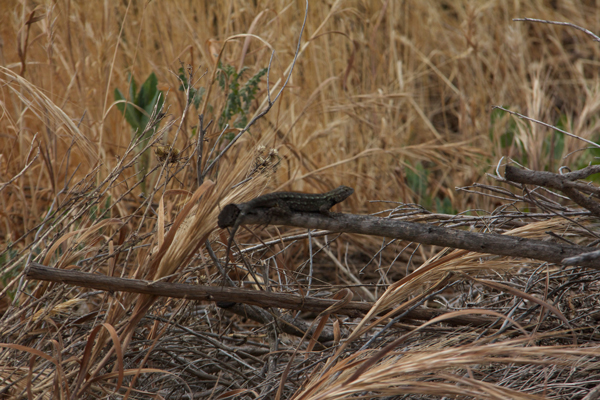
point(392, 98)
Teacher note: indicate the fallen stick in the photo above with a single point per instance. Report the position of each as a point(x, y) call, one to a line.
point(221, 293)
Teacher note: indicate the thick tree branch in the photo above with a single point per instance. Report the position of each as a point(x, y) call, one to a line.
point(490, 243)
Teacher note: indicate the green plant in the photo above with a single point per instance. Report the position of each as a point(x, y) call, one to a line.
point(8, 270)
point(137, 109)
point(506, 133)
point(444, 206)
point(239, 97)
point(554, 143)
point(417, 180)
point(194, 95)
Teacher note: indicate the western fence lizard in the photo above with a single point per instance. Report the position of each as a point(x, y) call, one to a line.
point(284, 203)
point(281, 203)
point(278, 203)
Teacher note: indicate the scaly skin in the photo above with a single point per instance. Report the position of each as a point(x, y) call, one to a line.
point(288, 202)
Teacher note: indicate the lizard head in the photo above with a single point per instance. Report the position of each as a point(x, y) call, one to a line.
point(228, 215)
point(341, 193)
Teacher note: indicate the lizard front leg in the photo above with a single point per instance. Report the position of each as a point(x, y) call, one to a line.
point(324, 209)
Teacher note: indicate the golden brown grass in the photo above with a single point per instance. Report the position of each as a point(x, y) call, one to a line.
point(392, 98)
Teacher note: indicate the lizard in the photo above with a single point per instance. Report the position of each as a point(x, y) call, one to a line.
point(284, 203)
point(280, 203)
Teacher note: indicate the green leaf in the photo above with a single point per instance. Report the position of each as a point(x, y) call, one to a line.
point(444, 206)
point(149, 109)
point(416, 178)
point(132, 114)
point(132, 89)
point(184, 83)
point(147, 91)
point(239, 98)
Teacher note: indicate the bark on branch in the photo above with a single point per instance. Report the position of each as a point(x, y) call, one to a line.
point(220, 293)
point(566, 183)
point(490, 243)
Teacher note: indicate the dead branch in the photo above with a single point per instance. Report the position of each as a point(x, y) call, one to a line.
point(565, 183)
point(488, 243)
point(222, 293)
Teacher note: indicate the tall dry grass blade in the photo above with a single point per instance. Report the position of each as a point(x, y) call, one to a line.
point(40, 104)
